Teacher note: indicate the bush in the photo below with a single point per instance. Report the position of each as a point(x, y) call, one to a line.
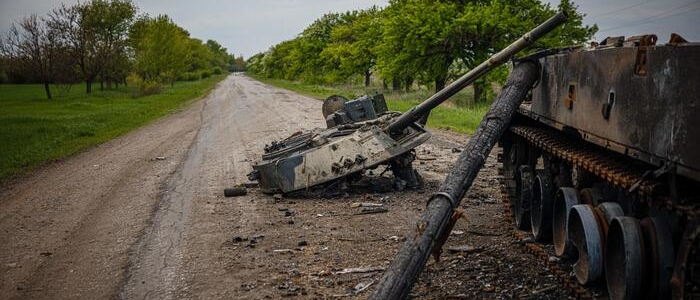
point(205, 74)
point(217, 71)
point(192, 76)
point(142, 87)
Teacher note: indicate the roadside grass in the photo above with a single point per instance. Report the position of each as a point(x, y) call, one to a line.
point(457, 114)
point(35, 130)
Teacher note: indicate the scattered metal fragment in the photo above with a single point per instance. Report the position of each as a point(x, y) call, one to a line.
point(366, 204)
point(235, 191)
point(283, 250)
point(371, 210)
point(357, 270)
point(463, 249)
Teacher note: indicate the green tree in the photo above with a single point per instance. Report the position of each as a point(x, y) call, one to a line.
point(426, 37)
point(219, 54)
point(352, 45)
point(96, 34)
point(161, 49)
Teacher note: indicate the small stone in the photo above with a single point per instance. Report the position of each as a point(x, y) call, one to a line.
point(277, 196)
point(303, 243)
point(160, 158)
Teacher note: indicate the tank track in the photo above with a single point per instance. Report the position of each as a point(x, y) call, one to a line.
point(605, 165)
point(584, 155)
point(619, 171)
point(537, 250)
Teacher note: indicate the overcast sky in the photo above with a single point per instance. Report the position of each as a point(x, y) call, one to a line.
point(251, 26)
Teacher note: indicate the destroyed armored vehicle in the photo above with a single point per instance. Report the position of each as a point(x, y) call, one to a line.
point(354, 141)
point(603, 160)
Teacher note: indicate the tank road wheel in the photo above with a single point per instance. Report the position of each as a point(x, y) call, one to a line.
point(514, 155)
point(332, 104)
point(541, 206)
point(592, 196)
point(564, 200)
point(658, 247)
point(523, 196)
point(624, 264)
point(587, 237)
point(685, 283)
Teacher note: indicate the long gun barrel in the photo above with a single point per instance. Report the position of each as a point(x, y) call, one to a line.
point(494, 61)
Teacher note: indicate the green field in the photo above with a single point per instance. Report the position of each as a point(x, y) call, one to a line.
point(451, 115)
point(34, 130)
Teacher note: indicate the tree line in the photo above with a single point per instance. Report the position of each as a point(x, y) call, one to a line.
point(428, 42)
point(110, 43)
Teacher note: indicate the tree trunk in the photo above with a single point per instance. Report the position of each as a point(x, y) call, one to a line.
point(88, 86)
point(433, 226)
point(395, 85)
point(409, 83)
point(385, 85)
point(47, 88)
point(478, 90)
point(102, 85)
point(368, 74)
point(439, 84)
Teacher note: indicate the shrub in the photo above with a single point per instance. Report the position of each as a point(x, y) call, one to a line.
point(217, 71)
point(142, 87)
point(192, 76)
point(205, 74)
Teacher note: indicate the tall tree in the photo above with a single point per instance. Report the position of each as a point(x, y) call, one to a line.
point(352, 44)
point(32, 51)
point(161, 49)
point(96, 33)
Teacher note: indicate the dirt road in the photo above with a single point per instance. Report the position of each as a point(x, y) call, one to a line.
point(144, 217)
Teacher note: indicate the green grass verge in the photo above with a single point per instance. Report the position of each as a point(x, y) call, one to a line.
point(34, 130)
point(448, 116)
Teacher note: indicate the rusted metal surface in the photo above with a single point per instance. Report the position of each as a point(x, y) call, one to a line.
point(523, 196)
point(624, 173)
point(576, 290)
point(618, 172)
point(541, 206)
point(565, 199)
point(587, 237)
point(624, 265)
point(658, 248)
point(630, 96)
point(685, 281)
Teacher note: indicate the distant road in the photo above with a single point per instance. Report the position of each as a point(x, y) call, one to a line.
point(113, 220)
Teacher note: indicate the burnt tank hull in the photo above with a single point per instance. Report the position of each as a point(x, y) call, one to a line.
point(335, 153)
point(603, 161)
point(639, 101)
